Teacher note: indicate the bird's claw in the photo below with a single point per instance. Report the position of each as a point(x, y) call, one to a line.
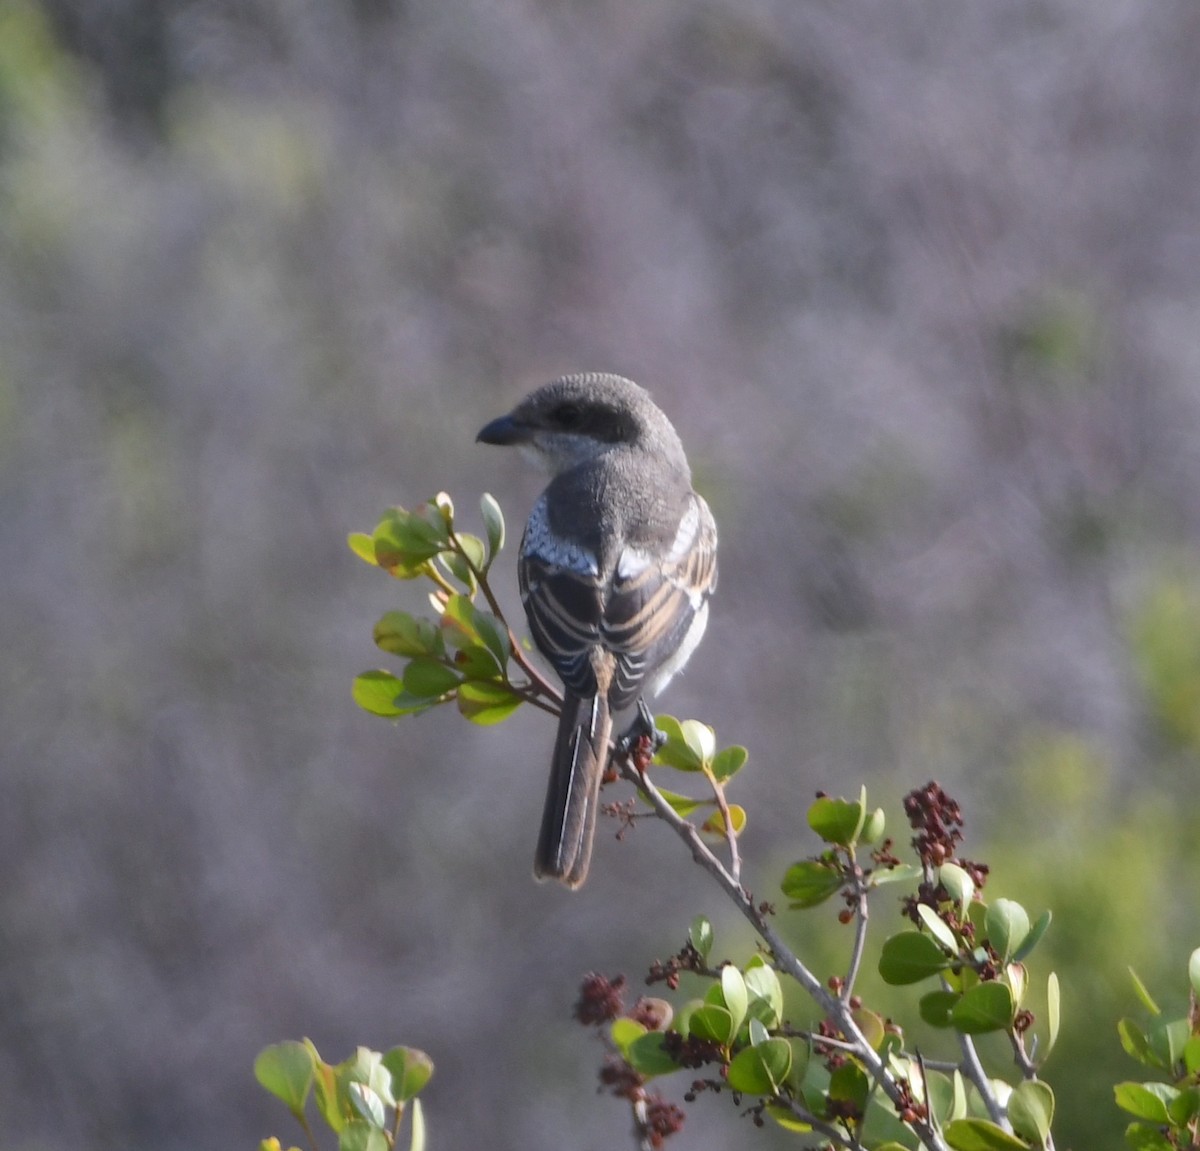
point(641, 729)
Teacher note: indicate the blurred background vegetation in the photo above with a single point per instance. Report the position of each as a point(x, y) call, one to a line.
point(919, 287)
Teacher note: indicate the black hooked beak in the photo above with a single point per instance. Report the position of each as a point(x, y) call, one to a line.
point(504, 430)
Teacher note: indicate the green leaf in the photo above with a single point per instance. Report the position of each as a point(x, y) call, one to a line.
point(459, 622)
point(1141, 1137)
point(810, 882)
point(1168, 1038)
point(935, 1007)
point(460, 569)
point(728, 762)
point(836, 820)
point(946, 1095)
point(1007, 925)
point(938, 928)
point(368, 1104)
point(872, 1026)
point(788, 1120)
point(700, 935)
point(286, 1070)
point(873, 826)
point(325, 1091)
point(473, 548)
point(428, 679)
point(762, 1069)
point(682, 805)
point(1140, 990)
point(712, 1023)
point(624, 1031)
point(1033, 937)
point(417, 1142)
point(363, 546)
point(495, 638)
point(675, 752)
point(359, 1135)
point(1015, 976)
point(700, 738)
point(1135, 1043)
point(901, 873)
point(405, 542)
point(734, 994)
point(715, 823)
point(493, 525)
point(756, 1031)
point(1184, 1108)
point(1031, 1110)
point(910, 957)
point(763, 986)
point(377, 692)
point(441, 505)
point(958, 884)
point(487, 703)
point(981, 1135)
point(473, 661)
point(1194, 971)
point(410, 1069)
point(399, 633)
point(1053, 1012)
point(985, 1007)
point(1145, 1100)
point(849, 1084)
point(648, 1056)
point(1191, 1055)
point(365, 1068)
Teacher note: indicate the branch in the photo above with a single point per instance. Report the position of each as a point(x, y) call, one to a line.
point(862, 914)
point(735, 859)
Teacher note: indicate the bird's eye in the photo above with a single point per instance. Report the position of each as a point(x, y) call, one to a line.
point(568, 416)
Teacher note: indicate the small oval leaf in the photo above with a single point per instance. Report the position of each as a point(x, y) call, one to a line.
point(836, 820)
point(1031, 1110)
point(1007, 925)
point(410, 1069)
point(486, 703)
point(985, 1007)
point(762, 1069)
point(728, 762)
point(734, 993)
point(377, 691)
point(938, 928)
point(981, 1135)
point(1053, 1012)
point(1146, 1101)
point(700, 935)
point(286, 1070)
point(910, 957)
point(811, 882)
point(493, 524)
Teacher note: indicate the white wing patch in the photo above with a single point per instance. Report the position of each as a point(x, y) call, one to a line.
point(634, 561)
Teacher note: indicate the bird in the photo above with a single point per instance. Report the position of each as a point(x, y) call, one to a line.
point(615, 568)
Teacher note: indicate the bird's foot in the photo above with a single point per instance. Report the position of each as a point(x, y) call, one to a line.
point(642, 739)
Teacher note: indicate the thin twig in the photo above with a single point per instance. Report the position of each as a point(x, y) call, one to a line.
point(862, 914)
point(972, 1068)
point(735, 859)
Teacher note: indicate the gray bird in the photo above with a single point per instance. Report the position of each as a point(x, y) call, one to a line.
point(616, 566)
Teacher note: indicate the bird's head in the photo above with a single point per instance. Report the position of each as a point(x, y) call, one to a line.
point(577, 418)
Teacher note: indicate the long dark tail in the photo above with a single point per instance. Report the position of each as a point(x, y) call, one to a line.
point(576, 772)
